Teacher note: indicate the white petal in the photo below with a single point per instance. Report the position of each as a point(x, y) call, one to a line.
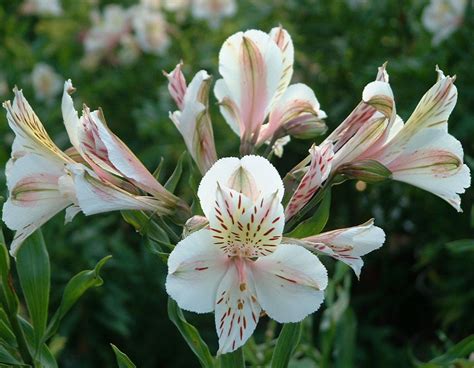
point(251, 65)
point(237, 310)
point(290, 283)
point(432, 160)
point(34, 195)
point(125, 160)
point(96, 196)
point(297, 102)
point(283, 40)
point(349, 244)
point(265, 176)
point(195, 269)
point(228, 107)
point(318, 172)
point(70, 115)
point(434, 108)
point(30, 134)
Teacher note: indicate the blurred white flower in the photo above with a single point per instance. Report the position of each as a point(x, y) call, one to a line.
point(213, 10)
point(42, 7)
point(149, 27)
point(176, 5)
point(108, 29)
point(46, 82)
point(443, 17)
point(129, 50)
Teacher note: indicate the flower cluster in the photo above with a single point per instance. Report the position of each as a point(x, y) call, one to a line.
point(251, 253)
point(120, 34)
point(97, 174)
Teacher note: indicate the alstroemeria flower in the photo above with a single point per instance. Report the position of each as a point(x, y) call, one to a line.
point(34, 174)
point(421, 152)
point(42, 180)
point(238, 266)
point(192, 119)
point(443, 17)
point(108, 156)
point(346, 245)
point(256, 70)
point(316, 174)
point(213, 10)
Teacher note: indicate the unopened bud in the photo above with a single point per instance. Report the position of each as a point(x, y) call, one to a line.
point(369, 171)
point(195, 223)
point(306, 128)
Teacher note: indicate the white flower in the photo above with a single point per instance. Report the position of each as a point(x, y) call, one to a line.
point(213, 10)
point(238, 266)
point(346, 245)
point(46, 82)
point(34, 172)
point(176, 5)
point(256, 70)
point(150, 29)
point(107, 30)
point(42, 7)
point(443, 17)
point(420, 152)
point(192, 119)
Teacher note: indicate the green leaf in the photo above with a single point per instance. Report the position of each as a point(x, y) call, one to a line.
point(346, 340)
point(287, 342)
point(34, 273)
point(8, 297)
point(461, 350)
point(461, 246)
point(316, 223)
point(43, 357)
point(232, 360)
point(4, 259)
point(8, 360)
point(123, 360)
point(190, 334)
point(75, 288)
point(173, 180)
point(6, 334)
point(146, 226)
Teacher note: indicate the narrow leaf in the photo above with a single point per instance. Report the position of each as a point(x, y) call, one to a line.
point(190, 334)
point(461, 350)
point(34, 272)
point(287, 342)
point(123, 360)
point(173, 180)
point(75, 288)
point(316, 223)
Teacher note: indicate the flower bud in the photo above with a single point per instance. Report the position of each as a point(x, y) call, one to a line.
point(370, 171)
point(195, 223)
point(306, 128)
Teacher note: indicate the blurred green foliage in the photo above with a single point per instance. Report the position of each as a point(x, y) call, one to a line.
point(415, 297)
